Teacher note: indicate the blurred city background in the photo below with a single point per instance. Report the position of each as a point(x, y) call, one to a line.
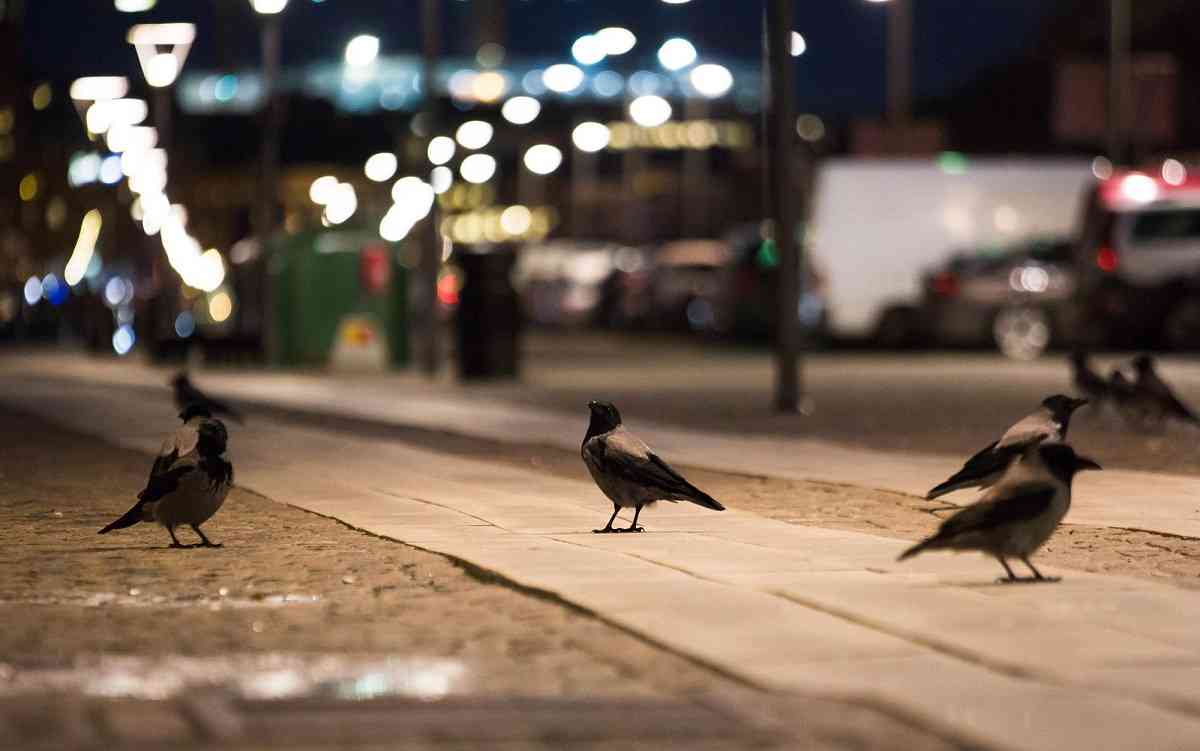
point(377, 185)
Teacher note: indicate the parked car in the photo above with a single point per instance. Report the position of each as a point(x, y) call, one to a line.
point(686, 283)
point(571, 282)
point(1138, 260)
point(750, 288)
point(1016, 297)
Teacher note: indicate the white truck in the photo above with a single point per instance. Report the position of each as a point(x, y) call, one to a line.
point(877, 224)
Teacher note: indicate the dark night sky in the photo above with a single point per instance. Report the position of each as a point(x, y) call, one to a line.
point(842, 72)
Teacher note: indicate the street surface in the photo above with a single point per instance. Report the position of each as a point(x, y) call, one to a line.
point(791, 598)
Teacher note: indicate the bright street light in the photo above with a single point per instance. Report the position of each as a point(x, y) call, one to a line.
point(543, 159)
point(109, 113)
point(590, 136)
point(161, 67)
point(477, 168)
point(521, 110)
point(441, 150)
point(99, 88)
point(588, 50)
point(474, 134)
point(134, 6)
point(321, 190)
point(562, 77)
point(650, 110)
point(362, 50)
point(711, 80)
point(268, 7)
point(380, 167)
point(676, 53)
point(615, 40)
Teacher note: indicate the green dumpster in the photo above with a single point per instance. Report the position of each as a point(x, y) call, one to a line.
point(340, 300)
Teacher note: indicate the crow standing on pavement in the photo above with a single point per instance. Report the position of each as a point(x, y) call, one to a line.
point(1130, 405)
point(187, 394)
point(1156, 397)
point(1087, 381)
point(629, 473)
point(1018, 514)
point(1048, 423)
point(189, 479)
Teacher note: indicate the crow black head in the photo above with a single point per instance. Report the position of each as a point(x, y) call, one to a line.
point(195, 409)
point(1143, 363)
point(1063, 462)
point(1062, 406)
point(605, 417)
point(213, 438)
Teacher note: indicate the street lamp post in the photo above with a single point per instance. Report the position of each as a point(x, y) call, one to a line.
point(899, 60)
point(1119, 69)
point(264, 214)
point(162, 49)
point(431, 246)
point(781, 122)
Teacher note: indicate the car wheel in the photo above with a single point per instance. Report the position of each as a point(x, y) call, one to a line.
point(1022, 333)
point(1181, 327)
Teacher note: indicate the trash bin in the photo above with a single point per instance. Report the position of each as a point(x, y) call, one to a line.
point(489, 313)
point(341, 300)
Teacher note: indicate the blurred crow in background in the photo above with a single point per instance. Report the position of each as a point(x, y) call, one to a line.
point(1048, 423)
point(1018, 514)
point(1087, 381)
point(1156, 397)
point(629, 473)
point(187, 394)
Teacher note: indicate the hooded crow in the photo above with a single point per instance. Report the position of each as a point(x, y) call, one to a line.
point(1129, 403)
point(1087, 381)
point(628, 472)
point(189, 479)
point(186, 393)
point(1157, 398)
point(1048, 423)
point(1016, 517)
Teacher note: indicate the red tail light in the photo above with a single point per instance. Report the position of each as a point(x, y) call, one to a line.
point(944, 284)
point(1106, 260)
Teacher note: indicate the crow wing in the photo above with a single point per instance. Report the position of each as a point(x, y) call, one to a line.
point(1018, 503)
point(623, 455)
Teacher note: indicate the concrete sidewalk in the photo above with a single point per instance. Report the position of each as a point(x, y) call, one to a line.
point(1113, 498)
point(1095, 662)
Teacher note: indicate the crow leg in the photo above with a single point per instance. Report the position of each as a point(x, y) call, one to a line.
point(1011, 576)
point(204, 541)
point(1037, 575)
point(175, 540)
point(609, 527)
point(634, 527)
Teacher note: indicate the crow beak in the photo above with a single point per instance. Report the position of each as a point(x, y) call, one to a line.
point(1082, 463)
point(1077, 403)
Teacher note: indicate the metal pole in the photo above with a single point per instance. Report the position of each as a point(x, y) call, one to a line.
point(900, 61)
point(1119, 69)
point(162, 117)
point(783, 203)
point(694, 190)
point(431, 249)
point(264, 219)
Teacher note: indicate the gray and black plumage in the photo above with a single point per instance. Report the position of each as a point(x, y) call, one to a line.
point(628, 472)
point(189, 480)
point(1048, 423)
point(1087, 381)
point(186, 393)
point(1018, 515)
point(1155, 397)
